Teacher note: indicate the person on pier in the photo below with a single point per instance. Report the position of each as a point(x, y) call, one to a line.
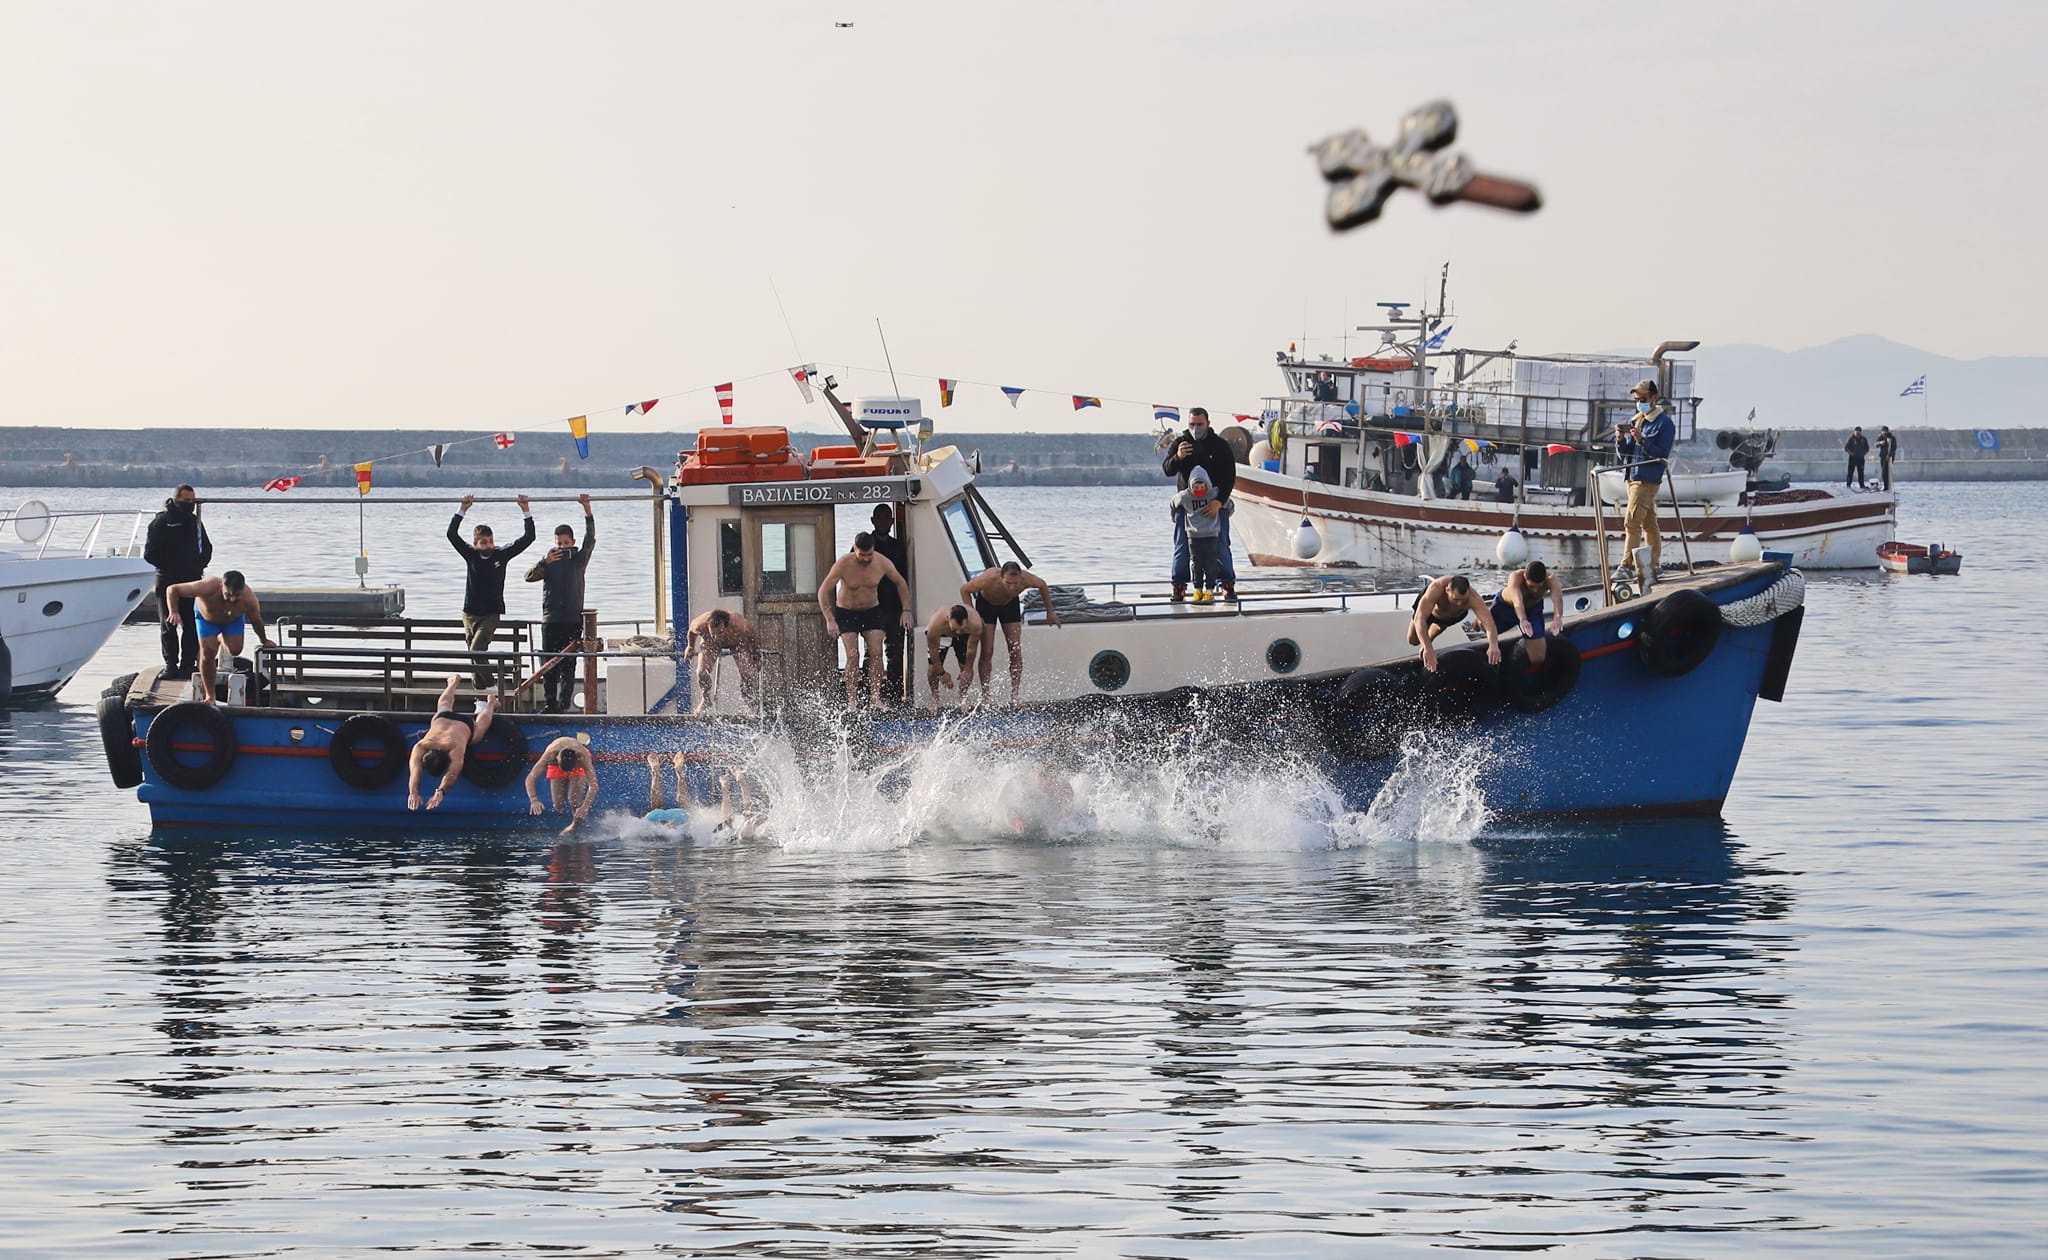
point(178, 546)
point(560, 573)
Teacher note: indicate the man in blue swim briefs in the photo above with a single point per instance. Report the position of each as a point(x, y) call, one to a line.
point(225, 607)
point(1522, 602)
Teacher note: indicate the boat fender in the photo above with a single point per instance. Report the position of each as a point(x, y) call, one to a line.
point(497, 769)
point(117, 739)
point(1678, 633)
point(1364, 718)
point(119, 687)
point(1532, 688)
point(186, 720)
point(1276, 434)
point(1464, 688)
point(379, 733)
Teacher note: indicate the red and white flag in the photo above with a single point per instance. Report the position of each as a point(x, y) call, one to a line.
point(725, 402)
point(503, 440)
point(802, 377)
point(642, 407)
point(282, 483)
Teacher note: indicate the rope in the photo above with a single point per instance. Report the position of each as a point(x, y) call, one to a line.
point(1781, 597)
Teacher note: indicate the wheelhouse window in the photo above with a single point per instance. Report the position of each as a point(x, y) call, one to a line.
point(789, 558)
point(968, 543)
point(731, 569)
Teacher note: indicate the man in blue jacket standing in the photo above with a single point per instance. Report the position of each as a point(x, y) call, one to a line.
point(1644, 441)
point(1200, 446)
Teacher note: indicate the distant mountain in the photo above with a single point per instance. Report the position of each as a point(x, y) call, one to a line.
point(1857, 381)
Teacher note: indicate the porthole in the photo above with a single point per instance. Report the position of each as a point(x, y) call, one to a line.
point(135, 595)
point(52, 608)
point(1109, 670)
point(1283, 656)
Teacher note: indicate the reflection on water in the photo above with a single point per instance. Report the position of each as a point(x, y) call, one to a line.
point(971, 1046)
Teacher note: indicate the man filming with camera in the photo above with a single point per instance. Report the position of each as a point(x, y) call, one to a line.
point(1644, 442)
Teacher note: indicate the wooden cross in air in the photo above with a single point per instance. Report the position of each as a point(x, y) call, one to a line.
point(1363, 175)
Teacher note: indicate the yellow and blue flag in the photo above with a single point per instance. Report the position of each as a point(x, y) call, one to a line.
point(579, 428)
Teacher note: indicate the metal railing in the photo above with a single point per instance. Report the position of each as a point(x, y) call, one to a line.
point(47, 532)
point(1600, 522)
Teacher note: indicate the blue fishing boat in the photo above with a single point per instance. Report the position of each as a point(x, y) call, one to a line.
point(1641, 706)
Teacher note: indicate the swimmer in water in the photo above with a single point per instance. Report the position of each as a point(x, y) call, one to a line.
point(450, 736)
point(572, 780)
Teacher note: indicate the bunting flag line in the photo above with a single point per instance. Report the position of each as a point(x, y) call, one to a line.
point(1407, 439)
point(1160, 411)
point(282, 484)
point(725, 402)
point(579, 428)
point(504, 440)
point(642, 407)
point(362, 480)
point(1244, 419)
point(1083, 400)
point(802, 377)
point(1475, 446)
point(1559, 448)
point(946, 391)
point(437, 450)
point(1012, 393)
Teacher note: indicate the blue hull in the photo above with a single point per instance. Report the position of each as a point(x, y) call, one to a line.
point(1625, 740)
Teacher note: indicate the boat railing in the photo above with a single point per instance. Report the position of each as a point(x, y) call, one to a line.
point(1456, 411)
point(1117, 599)
point(34, 526)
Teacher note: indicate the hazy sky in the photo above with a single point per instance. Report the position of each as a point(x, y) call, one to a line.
point(499, 214)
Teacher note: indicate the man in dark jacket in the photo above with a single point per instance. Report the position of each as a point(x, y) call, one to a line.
point(483, 595)
point(1887, 451)
point(894, 636)
point(180, 550)
point(1201, 446)
point(1856, 448)
point(560, 573)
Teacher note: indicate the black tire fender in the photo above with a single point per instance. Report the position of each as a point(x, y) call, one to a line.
point(1464, 688)
point(1679, 633)
point(220, 744)
point(350, 739)
point(1533, 688)
point(498, 767)
point(1364, 717)
point(117, 738)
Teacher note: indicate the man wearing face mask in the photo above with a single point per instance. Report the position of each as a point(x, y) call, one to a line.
point(179, 548)
point(1199, 446)
point(1645, 442)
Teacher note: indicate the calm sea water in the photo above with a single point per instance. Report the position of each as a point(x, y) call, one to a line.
point(1215, 1021)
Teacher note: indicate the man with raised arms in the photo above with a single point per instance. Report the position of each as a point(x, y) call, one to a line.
point(1521, 602)
point(1445, 603)
point(997, 596)
point(224, 607)
point(450, 735)
point(572, 780)
point(957, 629)
point(717, 632)
point(850, 597)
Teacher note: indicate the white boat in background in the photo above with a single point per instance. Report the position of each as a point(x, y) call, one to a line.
point(67, 581)
point(1351, 467)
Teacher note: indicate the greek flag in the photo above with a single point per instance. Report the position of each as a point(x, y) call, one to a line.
point(1752, 416)
point(1919, 386)
point(1436, 341)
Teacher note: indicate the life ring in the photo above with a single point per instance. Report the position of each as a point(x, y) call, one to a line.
point(220, 745)
point(117, 738)
point(500, 768)
point(1678, 633)
point(1533, 688)
point(1276, 434)
point(1363, 719)
point(367, 728)
point(1463, 688)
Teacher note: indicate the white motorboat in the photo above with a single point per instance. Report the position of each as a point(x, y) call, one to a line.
point(67, 581)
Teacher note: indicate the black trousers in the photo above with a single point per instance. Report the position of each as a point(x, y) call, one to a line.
point(894, 640)
point(1855, 471)
point(181, 642)
point(1884, 468)
point(560, 684)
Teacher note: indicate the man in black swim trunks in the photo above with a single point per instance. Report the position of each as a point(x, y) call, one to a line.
point(1445, 603)
point(997, 595)
point(448, 740)
point(958, 628)
point(851, 599)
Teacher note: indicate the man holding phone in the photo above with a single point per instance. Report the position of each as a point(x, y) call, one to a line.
point(1644, 442)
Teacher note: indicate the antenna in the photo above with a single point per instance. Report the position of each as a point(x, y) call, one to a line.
point(785, 320)
point(886, 359)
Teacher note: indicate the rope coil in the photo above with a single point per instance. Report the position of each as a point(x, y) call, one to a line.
point(1781, 597)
